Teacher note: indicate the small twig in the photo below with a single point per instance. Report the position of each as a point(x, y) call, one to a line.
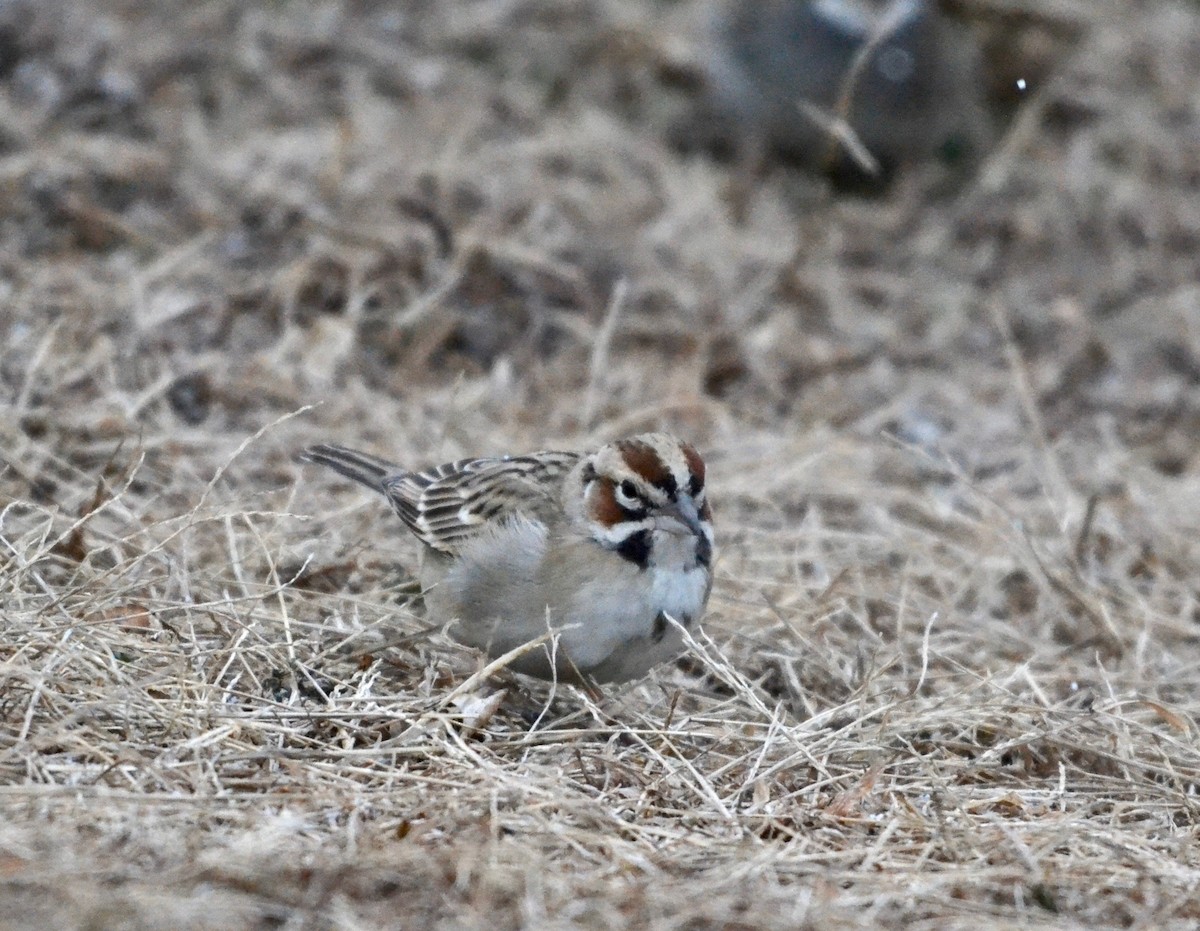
point(924, 653)
point(1052, 472)
point(598, 370)
point(1085, 530)
point(838, 124)
point(500, 662)
point(841, 133)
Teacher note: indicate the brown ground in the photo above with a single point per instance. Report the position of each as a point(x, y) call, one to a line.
point(953, 441)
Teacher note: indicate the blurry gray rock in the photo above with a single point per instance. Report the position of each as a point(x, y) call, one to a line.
point(906, 80)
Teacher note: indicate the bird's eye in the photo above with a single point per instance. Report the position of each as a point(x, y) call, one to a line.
point(628, 498)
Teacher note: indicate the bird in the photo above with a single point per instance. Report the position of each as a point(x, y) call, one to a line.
point(612, 549)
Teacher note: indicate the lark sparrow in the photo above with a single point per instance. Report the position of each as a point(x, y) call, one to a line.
point(602, 546)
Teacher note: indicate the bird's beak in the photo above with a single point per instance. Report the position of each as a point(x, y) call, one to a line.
point(680, 517)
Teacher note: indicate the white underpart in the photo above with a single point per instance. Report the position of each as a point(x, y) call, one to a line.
point(505, 590)
point(631, 641)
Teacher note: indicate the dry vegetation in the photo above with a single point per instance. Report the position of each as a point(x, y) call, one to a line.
point(951, 663)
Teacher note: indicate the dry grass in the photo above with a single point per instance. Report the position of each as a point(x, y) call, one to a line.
point(950, 669)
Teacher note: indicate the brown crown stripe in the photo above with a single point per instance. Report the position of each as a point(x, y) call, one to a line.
point(694, 463)
point(644, 461)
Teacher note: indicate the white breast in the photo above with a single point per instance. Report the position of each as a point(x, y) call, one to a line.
point(507, 588)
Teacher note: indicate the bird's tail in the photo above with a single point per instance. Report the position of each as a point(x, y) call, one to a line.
point(361, 467)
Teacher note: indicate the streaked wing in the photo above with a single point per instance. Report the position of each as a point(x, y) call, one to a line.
point(447, 505)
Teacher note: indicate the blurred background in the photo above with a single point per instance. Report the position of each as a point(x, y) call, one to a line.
point(919, 278)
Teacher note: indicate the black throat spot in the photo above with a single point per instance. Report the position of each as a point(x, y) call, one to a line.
point(636, 548)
